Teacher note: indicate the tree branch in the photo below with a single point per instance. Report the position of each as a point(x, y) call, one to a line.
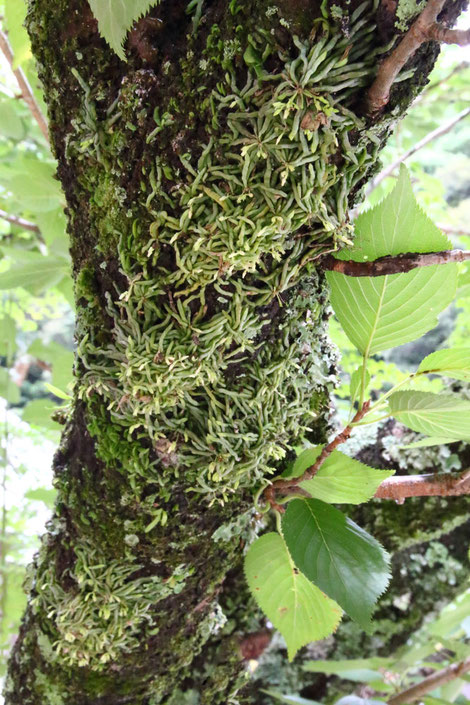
point(449, 36)
point(438, 132)
point(286, 486)
point(392, 264)
point(430, 485)
point(415, 692)
point(26, 90)
point(21, 222)
point(379, 92)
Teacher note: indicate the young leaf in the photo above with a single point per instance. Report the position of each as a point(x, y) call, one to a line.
point(382, 312)
point(360, 670)
point(33, 271)
point(336, 554)
point(116, 17)
point(300, 611)
point(340, 479)
point(15, 15)
point(356, 382)
point(433, 414)
point(428, 442)
point(451, 362)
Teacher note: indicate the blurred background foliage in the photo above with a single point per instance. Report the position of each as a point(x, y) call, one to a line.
point(36, 346)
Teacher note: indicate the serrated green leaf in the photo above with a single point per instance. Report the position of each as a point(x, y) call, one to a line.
point(38, 413)
point(378, 313)
point(451, 362)
point(298, 609)
point(7, 337)
point(36, 188)
point(340, 479)
point(42, 494)
point(8, 389)
point(11, 125)
point(428, 442)
point(33, 271)
point(116, 17)
point(15, 14)
point(358, 670)
point(433, 414)
point(346, 562)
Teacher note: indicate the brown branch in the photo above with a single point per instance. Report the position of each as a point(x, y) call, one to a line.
point(26, 90)
point(21, 222)
point(415, 692)
point(449, 36)
point(392, 264)
point(438, 132)
point(431, 485)
point(286, 486)
point(379, 92)
point(453, 229)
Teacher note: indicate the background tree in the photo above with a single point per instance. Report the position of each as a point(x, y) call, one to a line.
point(203, 178)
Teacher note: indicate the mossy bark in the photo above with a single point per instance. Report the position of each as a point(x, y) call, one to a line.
point(203, 177)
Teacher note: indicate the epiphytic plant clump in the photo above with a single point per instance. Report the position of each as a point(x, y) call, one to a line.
point(105, 612)
point(243, 221)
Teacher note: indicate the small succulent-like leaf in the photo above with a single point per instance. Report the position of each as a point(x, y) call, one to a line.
point(337, 555)
point(300, 611)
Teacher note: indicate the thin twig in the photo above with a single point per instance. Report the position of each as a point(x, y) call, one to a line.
point(379, 92)
point(26, 90)
point(286, 486)
point(415, 692)
point(392, 264)
point(449, 36)
point(449, 484)
point(21, 222)
point(438, 132)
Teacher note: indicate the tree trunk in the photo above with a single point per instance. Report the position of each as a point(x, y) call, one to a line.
point(202, 177)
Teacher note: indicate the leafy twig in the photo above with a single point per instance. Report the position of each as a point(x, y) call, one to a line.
point(286, 486)
point(424, 29)
point(26, 90)
point(438, 132)
point(21, 222)
point(393, 264)
point(415, 692)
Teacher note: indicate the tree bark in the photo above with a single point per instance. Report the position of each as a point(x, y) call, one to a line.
point(202, 177)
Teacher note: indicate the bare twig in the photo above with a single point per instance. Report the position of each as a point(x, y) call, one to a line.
point(26, 90)
point(431, 485)
point(392, 264)
point(438, 132)
point(21, 222)
point(378, 93)
point(415, 692)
